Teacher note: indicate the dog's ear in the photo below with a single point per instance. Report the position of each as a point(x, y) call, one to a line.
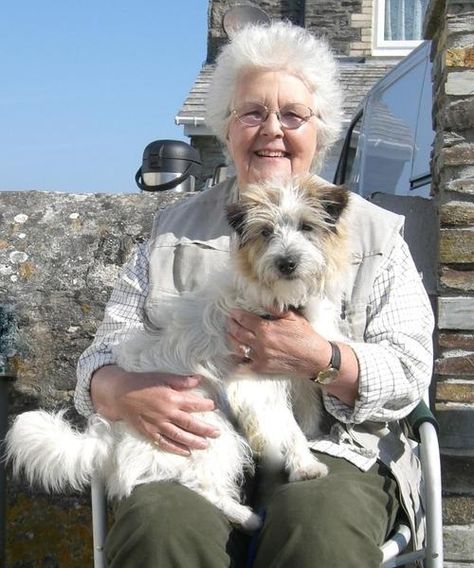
point(334, 199)
point(236, 215)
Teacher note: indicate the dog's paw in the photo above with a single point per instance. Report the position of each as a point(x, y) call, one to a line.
point(252, 523)
point(241, 515)
point(308, 470)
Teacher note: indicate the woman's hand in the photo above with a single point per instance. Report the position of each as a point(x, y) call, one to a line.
point(158, 405)
point(288, 344)
point(284, 344)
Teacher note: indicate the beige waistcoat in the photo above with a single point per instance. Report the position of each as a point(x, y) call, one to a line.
point(191, 239)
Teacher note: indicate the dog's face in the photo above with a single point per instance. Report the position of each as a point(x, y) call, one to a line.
point(290, 235)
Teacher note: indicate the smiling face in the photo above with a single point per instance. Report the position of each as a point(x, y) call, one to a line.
point(268, 151)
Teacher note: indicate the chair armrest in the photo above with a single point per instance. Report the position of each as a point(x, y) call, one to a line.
point(418, 416)
point(431, 468)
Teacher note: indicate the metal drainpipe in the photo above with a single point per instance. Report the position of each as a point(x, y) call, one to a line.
point(7, 375)
point(5, 378)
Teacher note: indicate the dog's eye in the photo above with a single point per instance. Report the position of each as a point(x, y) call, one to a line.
point(306, 227)
point(266, 232)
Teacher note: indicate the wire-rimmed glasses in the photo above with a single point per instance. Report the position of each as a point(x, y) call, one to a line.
point(291, 116)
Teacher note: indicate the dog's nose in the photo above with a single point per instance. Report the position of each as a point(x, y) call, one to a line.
point(287, 264)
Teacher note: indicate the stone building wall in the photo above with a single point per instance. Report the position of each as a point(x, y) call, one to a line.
point(363, 20)
point(333, 19)
point(347, 25)
point(450, 24)
point(292, 10)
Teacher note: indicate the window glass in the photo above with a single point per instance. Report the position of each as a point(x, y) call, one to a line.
point(404, 19)
point(390, 133)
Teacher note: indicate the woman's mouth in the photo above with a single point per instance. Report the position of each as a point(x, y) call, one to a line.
point(271, 154)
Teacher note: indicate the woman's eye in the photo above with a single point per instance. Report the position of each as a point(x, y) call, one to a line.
point(292, 115)
point(256, 114)
point(292, 118)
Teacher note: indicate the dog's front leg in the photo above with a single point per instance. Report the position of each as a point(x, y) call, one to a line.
point(300, 462)
point(259, 406)
point(262, 407)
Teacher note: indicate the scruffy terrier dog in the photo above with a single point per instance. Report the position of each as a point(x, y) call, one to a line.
point(288, 252)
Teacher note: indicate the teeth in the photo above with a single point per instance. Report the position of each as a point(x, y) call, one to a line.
point(271, 154)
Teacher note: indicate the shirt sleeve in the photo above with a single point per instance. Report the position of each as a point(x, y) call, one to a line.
point(396, 358)
point(123, 313)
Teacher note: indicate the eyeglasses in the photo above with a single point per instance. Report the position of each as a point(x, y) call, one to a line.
point(291, 116)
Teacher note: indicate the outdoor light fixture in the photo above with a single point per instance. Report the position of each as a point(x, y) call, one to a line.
point(169, 164)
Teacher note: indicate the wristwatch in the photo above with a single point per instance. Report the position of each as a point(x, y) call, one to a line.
point(326, 376)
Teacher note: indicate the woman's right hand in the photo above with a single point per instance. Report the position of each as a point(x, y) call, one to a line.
point(158, 405)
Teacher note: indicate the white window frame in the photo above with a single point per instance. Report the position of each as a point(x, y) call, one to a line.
point(385, 47)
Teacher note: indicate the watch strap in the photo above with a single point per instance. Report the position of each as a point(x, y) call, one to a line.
point(335, 361)
point(327, 375)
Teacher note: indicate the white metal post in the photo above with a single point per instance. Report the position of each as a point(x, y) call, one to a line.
point(99, 520)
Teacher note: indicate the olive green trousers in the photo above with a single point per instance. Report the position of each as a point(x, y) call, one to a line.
point(338, 521)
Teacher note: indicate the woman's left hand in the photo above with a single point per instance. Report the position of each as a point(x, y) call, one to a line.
point(287, 343)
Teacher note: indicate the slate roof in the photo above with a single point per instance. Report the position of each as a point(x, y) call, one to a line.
point(356, 77)
point(194, 105)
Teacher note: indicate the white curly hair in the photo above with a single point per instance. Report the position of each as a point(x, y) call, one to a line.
point(279, 46)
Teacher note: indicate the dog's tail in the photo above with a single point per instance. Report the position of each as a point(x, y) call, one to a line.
point(53, 454)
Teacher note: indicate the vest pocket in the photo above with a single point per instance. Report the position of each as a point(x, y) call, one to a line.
point(193, 262)
point(356, 320)
point(181, 267)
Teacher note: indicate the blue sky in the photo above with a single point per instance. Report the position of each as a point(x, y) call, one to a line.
point(87, 84)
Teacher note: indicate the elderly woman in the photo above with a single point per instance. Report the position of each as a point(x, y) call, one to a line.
point(275, 103)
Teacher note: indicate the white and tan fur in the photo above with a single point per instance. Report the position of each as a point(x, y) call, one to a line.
point(288, 252)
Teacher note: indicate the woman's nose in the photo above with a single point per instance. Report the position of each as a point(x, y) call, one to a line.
point(272, 126)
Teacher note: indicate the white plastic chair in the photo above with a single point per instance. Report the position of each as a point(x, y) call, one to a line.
point(424, 428)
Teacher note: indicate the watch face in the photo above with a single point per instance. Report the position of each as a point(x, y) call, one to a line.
point(327, 376)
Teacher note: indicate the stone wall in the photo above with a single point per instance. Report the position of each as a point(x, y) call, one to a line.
point(450, 24)
point(364, 20)
point(333, 19)
point(59, 257)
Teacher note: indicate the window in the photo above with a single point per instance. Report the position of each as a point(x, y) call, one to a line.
point(398, 26)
